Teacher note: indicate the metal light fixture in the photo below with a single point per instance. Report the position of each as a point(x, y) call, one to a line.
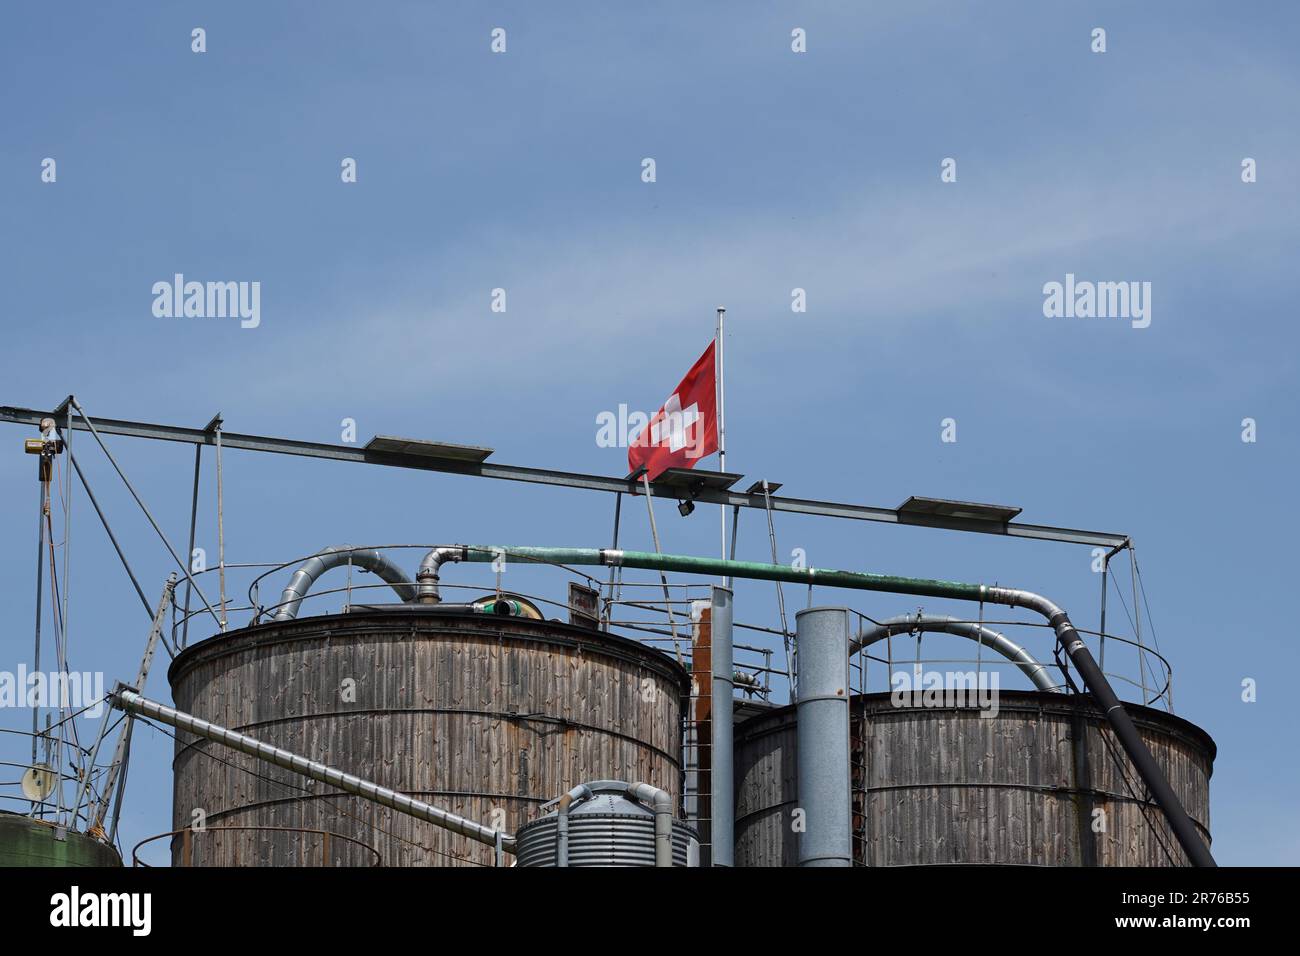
point(963, 510)
point(420, 448)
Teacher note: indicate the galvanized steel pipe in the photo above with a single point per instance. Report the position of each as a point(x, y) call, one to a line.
point(823, 736)
point(562, 822)
point(662, 802)
point(426, 578)
point(366, 558)
point(126, 699)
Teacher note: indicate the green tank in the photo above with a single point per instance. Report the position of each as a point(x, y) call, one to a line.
point(25, 841)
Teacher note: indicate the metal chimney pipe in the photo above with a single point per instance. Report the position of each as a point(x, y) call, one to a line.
point(823, 735)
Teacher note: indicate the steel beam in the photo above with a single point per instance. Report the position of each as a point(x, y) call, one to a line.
point(567, 479)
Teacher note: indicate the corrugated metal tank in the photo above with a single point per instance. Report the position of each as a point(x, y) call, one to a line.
point(486, 716)
point(25, 841)
point(943, 785)
point(607, 830)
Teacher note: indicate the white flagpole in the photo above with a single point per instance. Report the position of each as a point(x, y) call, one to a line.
point(722, 427)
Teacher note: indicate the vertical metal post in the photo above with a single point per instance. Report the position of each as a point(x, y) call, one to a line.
point(1137, 624)
point(722, 428)
point(780, 593)
point(40, 582)
point(49, 750)
point(735, 525)
point(58, 766)
point(221, 529)
point(189, 555)
point(1105, 587)
point(722, 792)
point(823, 735)
point(119, 797)
point(67, 548)
point(609, 606)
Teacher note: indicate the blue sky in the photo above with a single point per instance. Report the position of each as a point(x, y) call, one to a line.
point(775, 170)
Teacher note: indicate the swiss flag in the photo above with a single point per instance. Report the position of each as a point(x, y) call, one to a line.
point(685, 429)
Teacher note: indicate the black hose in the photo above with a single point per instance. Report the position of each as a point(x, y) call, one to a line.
point(1184, 829)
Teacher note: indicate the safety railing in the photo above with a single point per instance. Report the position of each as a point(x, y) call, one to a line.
point(52, 785)
point(325, 843)
point(628, 609)
point(893, 660)
point(657, 613)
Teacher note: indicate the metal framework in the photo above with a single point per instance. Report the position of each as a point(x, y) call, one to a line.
point(567, 479)
point(682, 486)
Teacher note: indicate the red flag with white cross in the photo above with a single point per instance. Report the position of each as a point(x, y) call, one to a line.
point(685, 429)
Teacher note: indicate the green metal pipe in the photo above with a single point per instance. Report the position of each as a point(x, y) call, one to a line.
point(649, 561)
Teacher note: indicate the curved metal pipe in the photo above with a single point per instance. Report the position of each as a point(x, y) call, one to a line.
point(662, 802)
point(946, 624)
point(562, 822)
point(426, 578)
point(366, 558)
